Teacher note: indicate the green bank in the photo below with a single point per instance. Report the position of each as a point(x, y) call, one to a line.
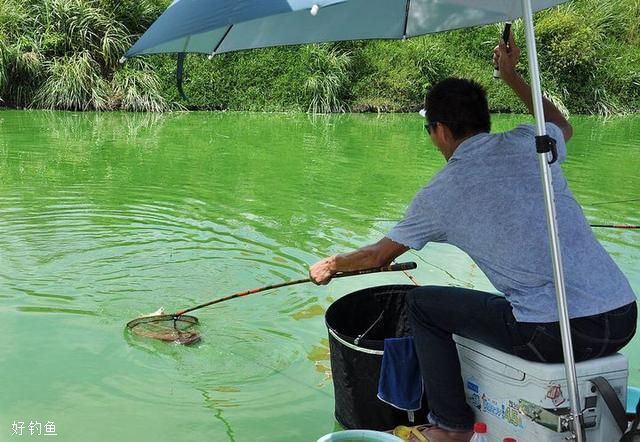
point(62, 54)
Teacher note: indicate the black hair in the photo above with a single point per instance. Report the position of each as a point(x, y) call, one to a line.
point(459, 104)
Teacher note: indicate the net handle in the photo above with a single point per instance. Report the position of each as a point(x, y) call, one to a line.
point(390, 268)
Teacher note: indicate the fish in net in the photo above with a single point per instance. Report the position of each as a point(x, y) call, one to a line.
point(179, 329)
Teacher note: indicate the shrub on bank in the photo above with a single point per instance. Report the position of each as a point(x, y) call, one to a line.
point(588, 55)
point(62, 54)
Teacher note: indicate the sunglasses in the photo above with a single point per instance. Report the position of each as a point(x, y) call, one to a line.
point(429, 126)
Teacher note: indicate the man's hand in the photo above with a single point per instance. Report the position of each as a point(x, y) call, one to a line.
point(374, 255)
point(321, 272)
point(506, 58)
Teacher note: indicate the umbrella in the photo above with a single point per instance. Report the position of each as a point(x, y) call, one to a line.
point(218, 26)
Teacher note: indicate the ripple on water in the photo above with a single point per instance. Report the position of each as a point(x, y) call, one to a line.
point(226, 370)
point(104, 261)
point(102, 222)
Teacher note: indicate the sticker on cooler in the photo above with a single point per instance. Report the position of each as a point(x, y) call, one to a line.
point(506, 410)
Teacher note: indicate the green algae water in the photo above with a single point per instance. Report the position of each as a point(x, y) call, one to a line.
point(104, 217)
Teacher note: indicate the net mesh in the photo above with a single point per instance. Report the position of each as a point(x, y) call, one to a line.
point(169, 328)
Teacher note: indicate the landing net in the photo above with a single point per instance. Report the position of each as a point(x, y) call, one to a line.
point(169, 328)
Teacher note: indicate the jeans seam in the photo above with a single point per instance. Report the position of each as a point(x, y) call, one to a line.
point(536, 352)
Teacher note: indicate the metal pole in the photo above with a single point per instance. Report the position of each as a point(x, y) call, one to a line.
point(554, 242)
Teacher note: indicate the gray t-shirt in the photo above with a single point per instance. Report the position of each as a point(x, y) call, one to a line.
point(488, 202)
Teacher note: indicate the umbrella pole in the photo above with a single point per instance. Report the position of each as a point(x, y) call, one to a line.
point(576, 423)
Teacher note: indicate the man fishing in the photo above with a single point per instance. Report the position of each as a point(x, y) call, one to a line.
point(487, 201)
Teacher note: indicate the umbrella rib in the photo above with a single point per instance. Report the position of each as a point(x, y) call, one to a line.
point(221, 40)
point(186, 44)
point(406, 19)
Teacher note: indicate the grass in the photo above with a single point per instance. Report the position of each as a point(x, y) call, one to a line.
point(73, 83)
point(62, 54)
point(327, 77)
point(137, 89)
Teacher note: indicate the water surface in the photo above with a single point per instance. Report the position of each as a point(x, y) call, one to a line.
point(104, 217)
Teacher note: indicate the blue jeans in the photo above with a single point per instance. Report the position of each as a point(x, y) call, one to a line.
point(435, 313)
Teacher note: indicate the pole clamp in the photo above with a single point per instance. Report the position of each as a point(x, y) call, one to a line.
point(546, 144)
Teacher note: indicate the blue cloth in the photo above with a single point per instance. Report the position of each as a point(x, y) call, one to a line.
point(400, 382)
point(488, 202)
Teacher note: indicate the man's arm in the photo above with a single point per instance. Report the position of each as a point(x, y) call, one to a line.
point(507, 60)
point(375, 255)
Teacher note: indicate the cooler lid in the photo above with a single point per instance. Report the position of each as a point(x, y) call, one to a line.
point(543, 371)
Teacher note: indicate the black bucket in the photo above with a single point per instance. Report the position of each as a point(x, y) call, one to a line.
point(378, 313)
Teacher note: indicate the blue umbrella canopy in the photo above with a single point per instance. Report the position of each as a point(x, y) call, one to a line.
point(217, 26)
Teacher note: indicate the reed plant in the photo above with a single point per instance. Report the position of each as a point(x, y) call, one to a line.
point(328, 75)
point(5, 62)
point(14, 18)
point(63, 54)
point(136, 88)
point(83, 25)
point(589, 52)
point(26, 72)
point(134, 15)
point(73, 83)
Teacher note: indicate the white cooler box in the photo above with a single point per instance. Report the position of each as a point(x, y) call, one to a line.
point(524, 400)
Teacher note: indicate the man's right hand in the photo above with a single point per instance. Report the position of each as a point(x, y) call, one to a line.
point(321, 272)
point(506, 58)
point(374, 255)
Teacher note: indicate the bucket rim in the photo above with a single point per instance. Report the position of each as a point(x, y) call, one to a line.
point(333, 312)
point(354, 347)
point(360, 292)
point(360, 434)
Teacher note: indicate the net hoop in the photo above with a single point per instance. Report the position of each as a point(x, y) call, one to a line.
point(162, 318)
point(179, 334)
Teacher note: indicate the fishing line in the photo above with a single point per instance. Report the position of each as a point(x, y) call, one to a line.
point(411, 278)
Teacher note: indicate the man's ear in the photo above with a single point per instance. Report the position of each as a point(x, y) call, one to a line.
point(445, 134)
point(445, 141)
point(442, 134)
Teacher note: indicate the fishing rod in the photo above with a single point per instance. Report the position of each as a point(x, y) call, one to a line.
point(178, 327)
point(390, 268)
point(616, 226)
point(632, 200)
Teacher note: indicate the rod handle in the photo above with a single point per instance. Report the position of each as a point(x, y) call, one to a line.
point(505, 39)
point(390, 268)
point(402, 266)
